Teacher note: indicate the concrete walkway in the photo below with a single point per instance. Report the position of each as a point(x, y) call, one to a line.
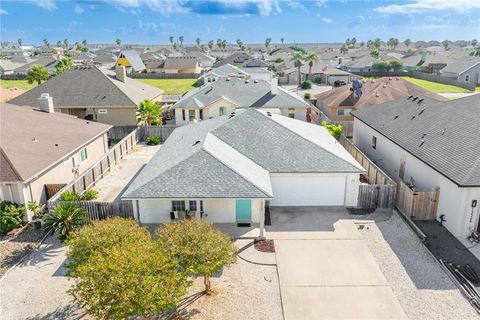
point(326, 270)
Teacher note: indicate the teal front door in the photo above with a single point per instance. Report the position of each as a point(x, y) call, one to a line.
point(244, 210)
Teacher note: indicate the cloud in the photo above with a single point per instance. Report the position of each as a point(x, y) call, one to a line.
point(3, 12)
point(430, 5)
point(45, 4)
point(321, 3)
point(357, 22)
point(295, 5)
point(327, 20)
point(78, 10)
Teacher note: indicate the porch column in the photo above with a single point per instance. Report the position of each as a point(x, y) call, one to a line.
point(197, 214)
point(262, 220)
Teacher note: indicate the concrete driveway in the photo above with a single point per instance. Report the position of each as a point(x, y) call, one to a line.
point(326, 271)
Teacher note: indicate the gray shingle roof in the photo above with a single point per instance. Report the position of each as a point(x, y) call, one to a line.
point(232, 157)
point(259, 95)
point(451, 131)
point(461, 65)
point(180, 63)
point(89, 87)
point(134, 59)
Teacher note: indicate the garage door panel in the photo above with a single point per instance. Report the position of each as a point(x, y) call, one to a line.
point(308, 191)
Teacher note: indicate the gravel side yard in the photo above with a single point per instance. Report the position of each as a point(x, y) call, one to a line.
point(14, 247)
point(244, 291)
point(421, 286)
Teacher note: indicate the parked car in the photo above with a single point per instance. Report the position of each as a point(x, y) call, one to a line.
point(339, 83)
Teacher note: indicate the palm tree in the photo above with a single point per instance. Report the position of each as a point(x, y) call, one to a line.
point(311, 58)
point(37, 73)
point(64, 219)
point(347, 42)
point(64, 65)
point(20, 41)
point(362, 44)
point(445, 44)
point(59, 43)
point(377, 43)
point(118, 42)
point(370, 44)
point(353, 42)
point(149, 111)
point(267, 43)
point(473, 42)
point(198, 41)
point(180, 39)
point(224, 44)
point(219, 43)
point(84, 44)
point(210, 45)
point(171, 38)
point(46, 43)
point(297, 58)
point(281, 40)
point(407, 42)
point(239, 43)
point(65, 42)
point(375, 53)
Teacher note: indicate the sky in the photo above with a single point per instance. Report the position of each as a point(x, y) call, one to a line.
point(251, 21)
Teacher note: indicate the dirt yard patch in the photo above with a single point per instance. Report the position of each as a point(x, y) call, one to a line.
point(7, 94)
point(16, 246)
point(265, 246)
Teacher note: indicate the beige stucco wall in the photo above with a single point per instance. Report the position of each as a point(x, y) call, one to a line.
point(60, 172)
point(115, 116)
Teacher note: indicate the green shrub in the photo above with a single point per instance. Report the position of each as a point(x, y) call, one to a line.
point(153, 140)
point(11, 216)
point(307, 84)
point(70, 196)
point(333, 129)
point(89, 194)
point(65, 218)
point(307, 96)
point(317, 79)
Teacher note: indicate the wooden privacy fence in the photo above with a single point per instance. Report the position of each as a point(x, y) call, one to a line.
point(417, 204)
point(96, 172)
point(380, 192)
point(52, 189)
point(119, 132)
point(101, 210)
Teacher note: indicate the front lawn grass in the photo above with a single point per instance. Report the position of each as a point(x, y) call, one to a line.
point(477, 89)
point(172, 86)
point(437, 87)
point(21, 84)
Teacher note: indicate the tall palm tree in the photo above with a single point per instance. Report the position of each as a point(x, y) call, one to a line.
point(281, 40)
point(180, 39)
point(445, 44)
point(46, 43)
point(239, 43)
point(311, 58)
point(20, 41)
point(118, 41)
point(219, 43)
point(224, 44)
point(171, 38)
point(210, 44)
point(267, 43)
point(198, 41)
point(59, 43)
point(407, 42)
point(298, 58)
point(353, 42)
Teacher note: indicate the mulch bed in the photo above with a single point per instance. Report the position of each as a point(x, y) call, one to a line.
point(265, 246)
point(17, 244)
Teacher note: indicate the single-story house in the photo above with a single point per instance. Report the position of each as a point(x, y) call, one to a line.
point(131, 60)
point(327, 73)
point(48, 62)
point(225, 170)
point(429, 144)
point(39, 147)
point(80, 58)
point(94, 93)
point(204, 59)
point(464, 70)
point(236, 59)
point(227, 95)
point(181, 65)
point(231, 71)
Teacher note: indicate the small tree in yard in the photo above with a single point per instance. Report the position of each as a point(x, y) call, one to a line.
point(37, 73)
point(333, 129)
point(200, 249)
point(64, 65)
point(149, 112)
point(64, 219)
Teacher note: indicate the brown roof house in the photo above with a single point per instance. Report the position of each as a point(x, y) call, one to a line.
point(181, 65)
point(93, 93)
point(338, 103)
point(39, 147)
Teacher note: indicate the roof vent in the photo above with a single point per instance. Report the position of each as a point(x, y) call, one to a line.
point(196, 142)
point(421, 143)
point(443, 131)
point(247, 81)
point(413, 117)
point(409, 97)
point(424, 135)
point(395, 118)
point(420, 101)
point(421, 111)
point(390, 78)
point(397, 78)
point(384, 85)
point(255, 81)
point(414, 99)
point(269, 114)
point(227, 79)
point(35, 139)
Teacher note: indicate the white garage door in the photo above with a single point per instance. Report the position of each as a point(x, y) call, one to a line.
point(308, 191)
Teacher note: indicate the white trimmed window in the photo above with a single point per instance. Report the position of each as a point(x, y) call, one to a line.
point(343, 112)
point(178, 205)
point(222, 111)
point(192, 204)
point(191, 115)
point(83, 154)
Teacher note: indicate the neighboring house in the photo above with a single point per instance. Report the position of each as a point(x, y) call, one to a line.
point(47, 61)
point(39, 147)
point(81, 57)
point(227, 95)
point(8, 66)
point(362, 64)
point(231, 71)
point(106, 60)
point(237, 59)
point(93, 93)
point(431, 62)
point(181, 65)
point(327, 75)
point(206, 61)
point(154, 65)
point(337, 103)
point(131, 60)
point(464, 70)
point(429, 144)
point(225, 169)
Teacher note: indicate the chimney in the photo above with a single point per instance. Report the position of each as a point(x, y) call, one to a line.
point(121, 73)
point(46, 103)
point(274, 86)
